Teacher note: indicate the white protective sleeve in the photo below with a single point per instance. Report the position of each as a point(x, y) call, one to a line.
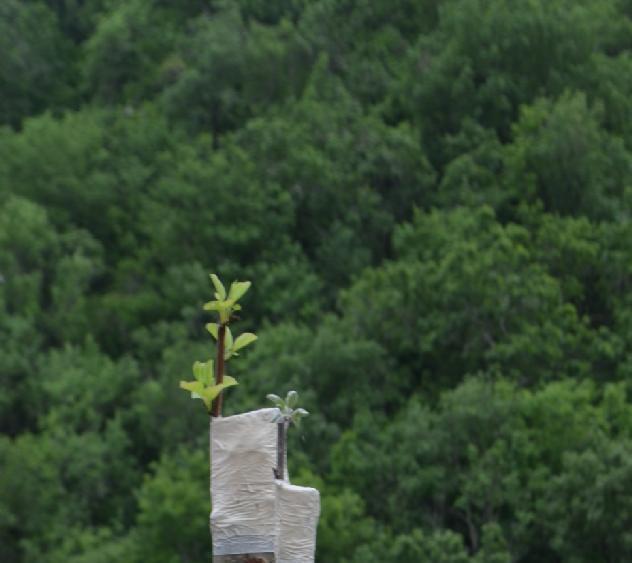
point(252, 512)
point(243, 490)
point(298, 509)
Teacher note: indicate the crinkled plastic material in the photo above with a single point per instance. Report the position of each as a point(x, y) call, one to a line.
point(298, 509)
point(243, 491)
point(252, 511)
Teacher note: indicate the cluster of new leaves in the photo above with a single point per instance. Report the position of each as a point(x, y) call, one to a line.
point(288, 412)
point(232, 345)
point(225, 304)
point(206, 385)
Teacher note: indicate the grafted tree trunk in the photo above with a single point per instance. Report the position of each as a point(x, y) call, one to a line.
point(245, 558)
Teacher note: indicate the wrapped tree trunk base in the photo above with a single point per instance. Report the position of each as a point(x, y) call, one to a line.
point(257, 518)
point(245, 558)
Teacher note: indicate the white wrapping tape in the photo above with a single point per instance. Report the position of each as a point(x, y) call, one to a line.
point(253, 512)
point(298, 509)
point(243, 491)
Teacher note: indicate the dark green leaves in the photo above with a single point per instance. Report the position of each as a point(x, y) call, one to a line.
point(149, 140)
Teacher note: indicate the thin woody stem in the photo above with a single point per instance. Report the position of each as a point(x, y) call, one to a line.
point(219, 368)
point(281, 449)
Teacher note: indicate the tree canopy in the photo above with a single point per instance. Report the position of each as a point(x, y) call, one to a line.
point(433, 201)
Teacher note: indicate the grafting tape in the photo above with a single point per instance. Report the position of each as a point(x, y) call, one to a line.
point(253, 512)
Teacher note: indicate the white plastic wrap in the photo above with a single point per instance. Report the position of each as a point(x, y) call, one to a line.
point(298, 509)
point(252, 511)
point(243, 489)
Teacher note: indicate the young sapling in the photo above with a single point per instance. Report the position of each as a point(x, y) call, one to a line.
point(288, 414)
point(225, 305)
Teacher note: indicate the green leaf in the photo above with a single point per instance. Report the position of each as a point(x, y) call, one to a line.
point(212, 306)
point(225, 308)
point(228, 382)
point(292, 399)
point(196, 388)
point(228, 340)
point(192, 386)
point(278, 402)
point(243, 340)
point(300, 413)
point(208, 393)
point(213, 328)
point(238, 289)
point(219, 287)
point(203, 372)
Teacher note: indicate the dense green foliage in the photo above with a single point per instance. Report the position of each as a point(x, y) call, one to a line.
point(433, 200)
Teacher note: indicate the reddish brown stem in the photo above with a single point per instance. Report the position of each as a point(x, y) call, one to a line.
point(219, 368)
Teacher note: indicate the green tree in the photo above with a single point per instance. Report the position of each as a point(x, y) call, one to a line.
point(36, 62)
point(122, 59)
point(172, 522)
point(224, 71)
point(561, 155)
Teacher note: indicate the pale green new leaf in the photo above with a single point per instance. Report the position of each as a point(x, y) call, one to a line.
point(213, 328)
point(229, 381)
point(194, 387)
point(297, 415)
point(292, 399)
point(208, 393)
point(219, 287)
point(238, 289)
point(228, 341)
point(212, 306)
point(278, 402)
point(204, 371)
point(225, 308)
point(243, 340)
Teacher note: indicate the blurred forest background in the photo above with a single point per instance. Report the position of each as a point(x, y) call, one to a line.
point(433, 201)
